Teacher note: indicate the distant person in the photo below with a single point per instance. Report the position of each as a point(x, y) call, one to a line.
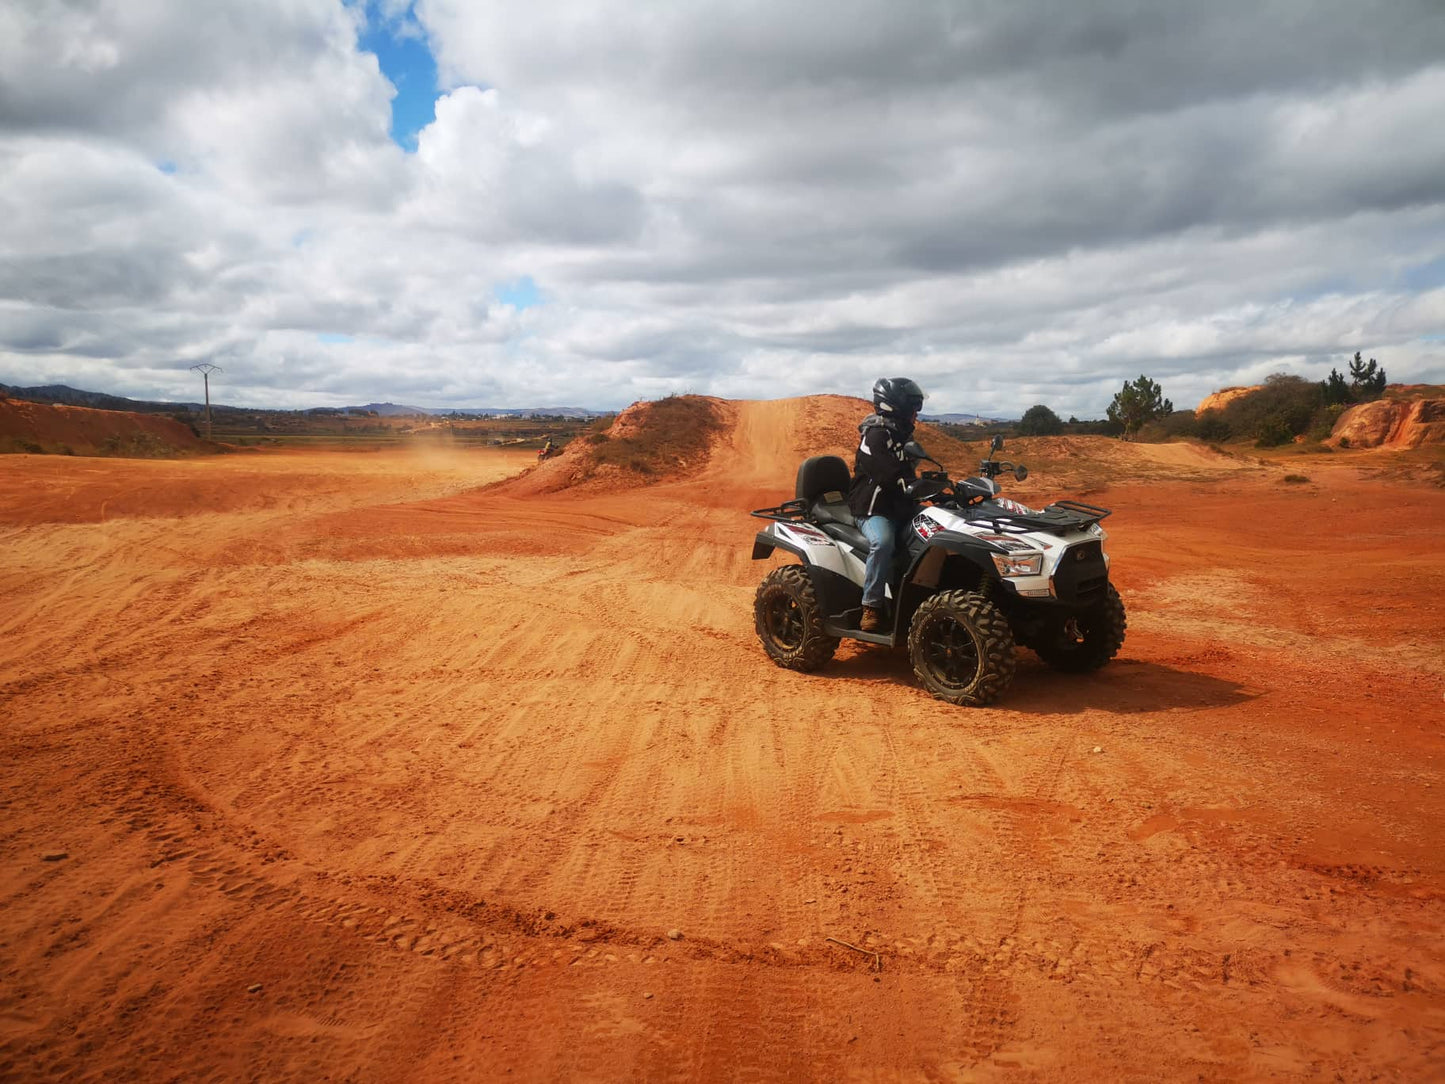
point(879, 496)
point(546, 450)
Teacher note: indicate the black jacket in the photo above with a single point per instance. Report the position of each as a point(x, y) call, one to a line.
point(880, 471)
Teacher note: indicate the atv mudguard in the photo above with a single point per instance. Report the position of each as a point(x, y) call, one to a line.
point(766, 542)
point(837, 594)
point(930, 556)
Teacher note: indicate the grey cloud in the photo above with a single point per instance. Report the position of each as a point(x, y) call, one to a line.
point(110, 67)
point(1013, 200)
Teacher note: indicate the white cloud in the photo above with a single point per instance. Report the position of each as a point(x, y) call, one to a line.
point(1014, 202)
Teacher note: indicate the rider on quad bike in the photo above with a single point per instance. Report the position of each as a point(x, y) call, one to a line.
point(974, 574)
point(882, 474)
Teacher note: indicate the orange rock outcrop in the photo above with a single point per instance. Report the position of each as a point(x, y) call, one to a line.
point(1393, 423)
point(1221, 399)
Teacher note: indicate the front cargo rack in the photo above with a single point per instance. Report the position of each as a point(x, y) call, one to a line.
point(1057, 518)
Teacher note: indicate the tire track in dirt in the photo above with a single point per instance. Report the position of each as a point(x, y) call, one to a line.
point(379, 776)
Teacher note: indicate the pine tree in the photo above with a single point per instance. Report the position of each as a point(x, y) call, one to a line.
point(1336, 390)
point(1138, 402)
point(1367, 380)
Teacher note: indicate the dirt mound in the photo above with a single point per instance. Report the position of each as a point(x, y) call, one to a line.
point(748, 451)
point(1222, 398)
point(649, 442)
point(1392, 423)
point(753, 445)
point(67, 430)
point(1080, 466)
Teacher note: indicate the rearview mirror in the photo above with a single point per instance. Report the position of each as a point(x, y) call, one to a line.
point(1021, 472)
point(914, 450)
point(996, 444)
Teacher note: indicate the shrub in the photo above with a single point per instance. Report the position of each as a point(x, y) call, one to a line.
point(1040, 421)
point(1180, 425)
point(1099, 427)
point(1211, 428)
point(1277, 413)
point(1271, 433)
point(1323, 423)
point(1295, 479)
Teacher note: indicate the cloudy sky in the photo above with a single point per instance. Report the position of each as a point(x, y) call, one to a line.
point(589, 202)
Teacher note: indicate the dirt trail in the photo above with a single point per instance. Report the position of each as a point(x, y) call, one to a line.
point(360, 771)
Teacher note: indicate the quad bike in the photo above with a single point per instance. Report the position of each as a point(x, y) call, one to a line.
point(974, 575)
point(548, 452)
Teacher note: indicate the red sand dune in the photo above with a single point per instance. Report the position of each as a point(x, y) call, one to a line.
point(358, 767)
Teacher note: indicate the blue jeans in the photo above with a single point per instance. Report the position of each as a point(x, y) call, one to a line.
point(881, 533)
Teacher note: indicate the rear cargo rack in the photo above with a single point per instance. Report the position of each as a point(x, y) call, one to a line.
point(794, 511)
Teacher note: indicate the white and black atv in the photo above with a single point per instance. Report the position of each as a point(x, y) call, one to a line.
point(974, 575)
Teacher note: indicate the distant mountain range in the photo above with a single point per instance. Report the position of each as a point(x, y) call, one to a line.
point(96, 400)
point(962, 419)
point(68, 396)
point(392, 409)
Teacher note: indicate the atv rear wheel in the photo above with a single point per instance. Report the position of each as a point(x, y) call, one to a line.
point(961, 648)
point(1079, 644)
point(789, 623)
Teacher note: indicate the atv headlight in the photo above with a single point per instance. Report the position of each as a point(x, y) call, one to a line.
point(1018, 564)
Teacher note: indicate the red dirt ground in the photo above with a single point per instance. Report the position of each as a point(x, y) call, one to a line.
point(338, 766)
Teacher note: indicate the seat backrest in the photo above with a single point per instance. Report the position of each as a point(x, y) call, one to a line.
point(822, 474)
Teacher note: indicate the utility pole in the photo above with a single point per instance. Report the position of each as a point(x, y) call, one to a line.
point(205, 368)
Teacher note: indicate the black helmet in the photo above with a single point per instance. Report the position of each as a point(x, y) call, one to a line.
point(897, 397)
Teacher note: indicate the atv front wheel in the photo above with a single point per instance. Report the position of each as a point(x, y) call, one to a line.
point(1079, 644)
point(786, 615)
point(961, 648)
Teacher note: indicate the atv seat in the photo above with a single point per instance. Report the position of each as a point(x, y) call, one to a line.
point(823, 482)
point(850, 536)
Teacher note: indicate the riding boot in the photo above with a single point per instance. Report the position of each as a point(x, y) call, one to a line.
point(872, 619)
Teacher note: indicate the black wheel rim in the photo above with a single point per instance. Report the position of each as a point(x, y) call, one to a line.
point(952, 653)
point(783, 619)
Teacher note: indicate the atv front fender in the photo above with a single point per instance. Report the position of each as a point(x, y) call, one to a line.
point(929, 561)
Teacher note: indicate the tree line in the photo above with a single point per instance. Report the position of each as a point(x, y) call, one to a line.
point(1284, 408)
